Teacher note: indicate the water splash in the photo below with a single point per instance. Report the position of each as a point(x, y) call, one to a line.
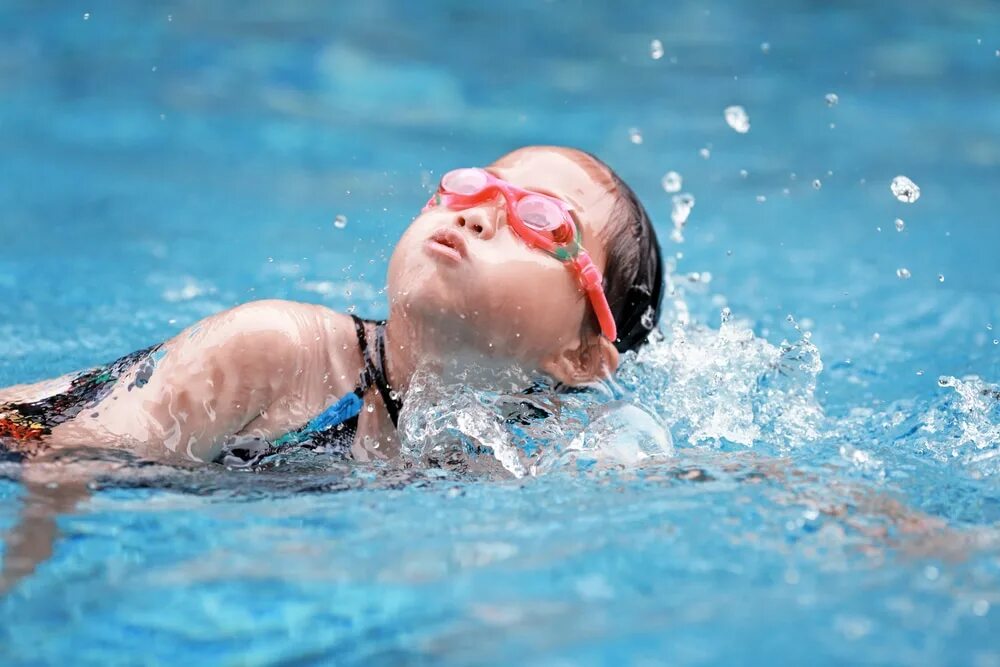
point(711, 386)
point(966, 425)
point(453, 425)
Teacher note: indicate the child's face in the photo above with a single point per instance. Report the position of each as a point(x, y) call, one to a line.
point(504, 298)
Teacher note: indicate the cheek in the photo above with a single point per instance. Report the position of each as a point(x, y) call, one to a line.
point(533, 304)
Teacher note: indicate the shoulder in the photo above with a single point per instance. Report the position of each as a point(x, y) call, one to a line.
point(277, 326)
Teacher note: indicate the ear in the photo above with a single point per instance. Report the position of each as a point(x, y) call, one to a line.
point(592, 359)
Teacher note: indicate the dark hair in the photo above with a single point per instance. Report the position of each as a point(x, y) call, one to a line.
point(633, 276)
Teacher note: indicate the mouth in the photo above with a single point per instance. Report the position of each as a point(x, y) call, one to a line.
point(448, 244)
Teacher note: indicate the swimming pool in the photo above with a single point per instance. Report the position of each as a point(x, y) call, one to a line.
point(832, 500)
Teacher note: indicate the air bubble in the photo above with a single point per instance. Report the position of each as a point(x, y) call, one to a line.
point(672, 181)
point(340, 221)
point(817, 184)
point(634, 135)
point(761, 199)
point(900, 225)
point(744, 173)
point(765, 47)
point(903, 273)
point(737, 118)
point(905, 190)
point(705, 153)
point(831, 99)
point(656, 49)
point(940, 277)
point(86, 16)
point(370, 408)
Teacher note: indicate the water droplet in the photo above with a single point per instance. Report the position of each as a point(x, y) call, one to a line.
point(903, 273)
point(940, 277)
point(634, 135)
point(681, 206)
point(648, 319)
point(680, 209)
point(876, 336)
point(656, 49)
point(761, 199)
point(737, 118)
point(831, 99)
point(340, 221)
point(86, 16)
point(672, 181)
point(705, 153)
point(905, 190)
point(900, 225)
point(765, 47)
point(154, 68)
point(817, 184)
point(744, 173)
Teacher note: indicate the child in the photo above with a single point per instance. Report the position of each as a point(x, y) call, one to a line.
point(545, 260)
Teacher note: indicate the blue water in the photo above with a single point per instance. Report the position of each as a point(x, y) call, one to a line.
point(163, 161)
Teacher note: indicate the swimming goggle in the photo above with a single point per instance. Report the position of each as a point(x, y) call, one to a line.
point(541, 221)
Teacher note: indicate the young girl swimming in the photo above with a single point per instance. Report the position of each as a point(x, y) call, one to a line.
point(544, 260)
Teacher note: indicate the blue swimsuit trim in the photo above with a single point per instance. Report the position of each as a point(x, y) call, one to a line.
point(338, 413)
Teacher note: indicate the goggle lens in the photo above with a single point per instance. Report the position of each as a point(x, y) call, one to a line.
point(540, 214)
point(464, 181)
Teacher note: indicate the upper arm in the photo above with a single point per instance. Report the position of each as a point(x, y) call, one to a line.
point(212, 379)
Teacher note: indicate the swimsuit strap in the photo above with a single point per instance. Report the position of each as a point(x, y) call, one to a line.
point(374, 371)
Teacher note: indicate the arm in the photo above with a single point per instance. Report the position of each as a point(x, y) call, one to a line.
point(210, 380)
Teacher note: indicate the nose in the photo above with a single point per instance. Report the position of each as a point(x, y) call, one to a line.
point(480, 220)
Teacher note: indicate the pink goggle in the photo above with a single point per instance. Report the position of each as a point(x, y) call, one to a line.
point(539, 220)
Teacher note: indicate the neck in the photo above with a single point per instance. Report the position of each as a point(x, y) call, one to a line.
point(444, 349)
point(402, 350)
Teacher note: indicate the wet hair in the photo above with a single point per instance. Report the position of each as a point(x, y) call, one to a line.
point(633, 276)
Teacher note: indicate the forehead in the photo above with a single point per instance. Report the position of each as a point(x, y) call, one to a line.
point(571, 175)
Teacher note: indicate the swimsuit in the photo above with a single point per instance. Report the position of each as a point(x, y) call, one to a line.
point(25, 424)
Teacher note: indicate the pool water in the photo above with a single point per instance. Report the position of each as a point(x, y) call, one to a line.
point(803, 470)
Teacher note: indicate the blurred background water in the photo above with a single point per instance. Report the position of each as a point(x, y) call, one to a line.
point(162, 161)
